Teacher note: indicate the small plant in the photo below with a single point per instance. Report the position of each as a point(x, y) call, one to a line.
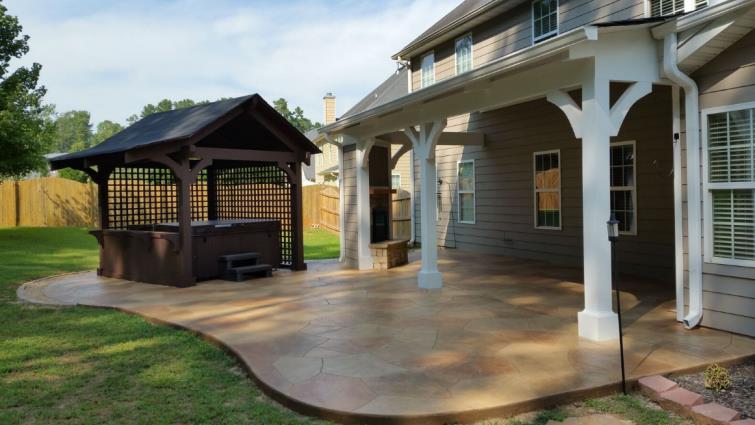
point(717, 378)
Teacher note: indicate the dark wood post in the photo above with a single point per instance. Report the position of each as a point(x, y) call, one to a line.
point(183, 183)
point(297, 218)
point(212, 195)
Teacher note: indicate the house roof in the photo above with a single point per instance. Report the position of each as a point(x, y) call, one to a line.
point(180, 124)
point(467, 14)
point(395, 86)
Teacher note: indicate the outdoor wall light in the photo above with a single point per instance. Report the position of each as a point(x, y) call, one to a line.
point(613, 236)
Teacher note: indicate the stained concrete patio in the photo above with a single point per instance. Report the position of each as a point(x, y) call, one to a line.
point(370, 347)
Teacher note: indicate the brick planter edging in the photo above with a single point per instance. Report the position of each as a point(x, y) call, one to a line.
point(687, 403)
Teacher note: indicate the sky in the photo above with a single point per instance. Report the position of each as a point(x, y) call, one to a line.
point(113, 57)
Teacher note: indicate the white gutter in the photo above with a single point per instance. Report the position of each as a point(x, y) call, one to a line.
point(693, 19)
point(694, 210)
point(678, 205)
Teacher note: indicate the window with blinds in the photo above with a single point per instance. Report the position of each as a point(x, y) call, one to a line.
point(731, 183)
point(464, 54)
point(666, 7)
point(428, 70)
point(466, 190)
point(544, 19)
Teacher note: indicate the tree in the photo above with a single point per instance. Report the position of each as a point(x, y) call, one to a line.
point(105, 130)
point(25, 128)
point(295, 117)
point(163, 106)
point(73, 131)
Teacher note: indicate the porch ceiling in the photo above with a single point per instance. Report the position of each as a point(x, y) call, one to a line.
point(368, 347)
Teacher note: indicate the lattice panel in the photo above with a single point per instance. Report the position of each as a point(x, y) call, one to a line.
point(140, 196)
point(262, 192)
point(199, 206)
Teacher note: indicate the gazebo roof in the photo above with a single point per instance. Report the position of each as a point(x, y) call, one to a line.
point(186, 124)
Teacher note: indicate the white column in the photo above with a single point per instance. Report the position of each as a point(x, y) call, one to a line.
point(363, 203)
point(424, 143)
point(597, 321)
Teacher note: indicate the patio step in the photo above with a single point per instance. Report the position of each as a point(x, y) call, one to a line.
point(230, 258)
point(239, 274)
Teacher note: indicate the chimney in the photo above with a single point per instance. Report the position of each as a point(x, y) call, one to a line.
point(330, 108)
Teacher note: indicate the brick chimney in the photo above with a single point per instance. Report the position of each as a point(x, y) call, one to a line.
point(329, 108)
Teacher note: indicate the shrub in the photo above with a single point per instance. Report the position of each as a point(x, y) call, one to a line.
point(717, 378)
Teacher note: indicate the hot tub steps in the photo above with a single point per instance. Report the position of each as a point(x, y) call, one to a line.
point(237, 267)
point(239, 274)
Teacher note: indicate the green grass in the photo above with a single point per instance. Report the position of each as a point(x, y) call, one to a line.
point(632, 408)
point(89, 366)
point(542, 418)
point(320, 244)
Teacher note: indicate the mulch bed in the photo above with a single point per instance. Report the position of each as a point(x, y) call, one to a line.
point(741, 395)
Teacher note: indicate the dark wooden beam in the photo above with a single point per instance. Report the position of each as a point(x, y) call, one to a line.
point(245, 155)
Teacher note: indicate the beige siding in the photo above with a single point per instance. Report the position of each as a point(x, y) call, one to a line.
point(504, 186)
point(728, 291)
point(350, 207)
point(512, 31)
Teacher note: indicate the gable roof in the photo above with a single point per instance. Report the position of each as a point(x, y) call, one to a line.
point(460, 19)
point(395, 86)
point(180, 124)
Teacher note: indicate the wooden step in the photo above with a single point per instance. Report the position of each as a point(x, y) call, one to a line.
point(238, 274)
point(239, 257)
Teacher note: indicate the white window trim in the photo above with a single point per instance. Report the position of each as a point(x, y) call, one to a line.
point(422, 69)
point(459, 192)
point(399, 180)
point(632, 188)
point(532, 22)
point(707, 187)
point(471, 53)
point(535, 190)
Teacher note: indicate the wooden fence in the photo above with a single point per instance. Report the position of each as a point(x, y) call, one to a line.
point(57, 202)
point(48, 202)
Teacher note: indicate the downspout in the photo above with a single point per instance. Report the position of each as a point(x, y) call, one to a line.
point(678, 205)
point(692, 127)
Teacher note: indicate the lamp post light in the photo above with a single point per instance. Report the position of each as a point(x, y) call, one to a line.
point(613, 236)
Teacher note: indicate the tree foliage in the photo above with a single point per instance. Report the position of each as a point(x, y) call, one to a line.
point(73, 131)
point(295, 117)
point(163, 106)
point(25, 129)
point(105, 130)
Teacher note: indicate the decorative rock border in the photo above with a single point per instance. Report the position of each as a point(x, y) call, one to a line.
point(689, 404)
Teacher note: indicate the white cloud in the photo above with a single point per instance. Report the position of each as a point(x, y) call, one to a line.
point(113, 60)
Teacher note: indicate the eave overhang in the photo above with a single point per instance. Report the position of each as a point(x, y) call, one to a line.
point(548, 50)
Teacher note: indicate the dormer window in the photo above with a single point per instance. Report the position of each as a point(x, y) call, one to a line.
point(544, 19)
point(464, 54)
point(428, 70)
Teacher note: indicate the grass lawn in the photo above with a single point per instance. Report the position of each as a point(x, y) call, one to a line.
point(91, 366)
point(321, 244)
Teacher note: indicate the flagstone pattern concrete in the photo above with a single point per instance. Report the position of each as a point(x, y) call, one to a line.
point(370, 347)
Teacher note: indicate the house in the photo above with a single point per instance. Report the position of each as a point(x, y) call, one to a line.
point(530, 123)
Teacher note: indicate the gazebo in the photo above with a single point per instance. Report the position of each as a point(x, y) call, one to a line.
point(180, 192)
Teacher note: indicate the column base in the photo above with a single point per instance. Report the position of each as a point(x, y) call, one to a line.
point(598, 326)
point(430, 280)
point(365, 263)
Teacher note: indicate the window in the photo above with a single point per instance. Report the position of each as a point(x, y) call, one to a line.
point(395, 181)
point(623, 186)
point(428, 70)
point(544, 19)
point(464, 54)
point(548, 189)
point(465, 174)
point(729, 141)
point(666, 7)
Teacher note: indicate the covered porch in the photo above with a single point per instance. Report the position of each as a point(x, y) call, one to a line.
point(371, 347)
point(595, 77)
